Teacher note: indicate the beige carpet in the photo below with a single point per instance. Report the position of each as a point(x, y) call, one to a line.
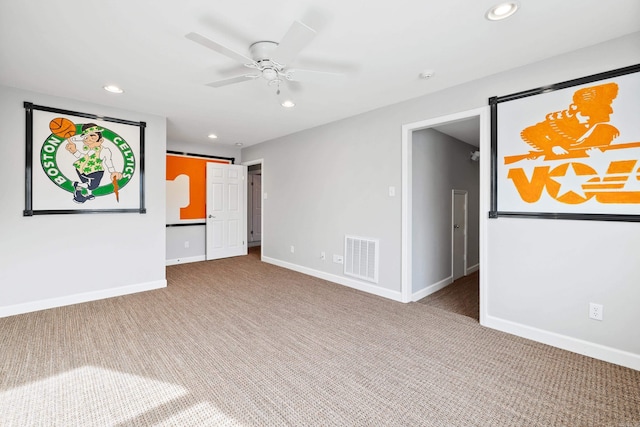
point(461, 297)
point(237, 342)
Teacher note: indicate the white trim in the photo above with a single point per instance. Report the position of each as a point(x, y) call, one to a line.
point(186, 260)
point(472, 269)
point(12, 310)
point(485, 203)
point(432, 288)
point(253, 162)
point(597, 351)
point(407, 136)
point(355, 284)
point(406, 276)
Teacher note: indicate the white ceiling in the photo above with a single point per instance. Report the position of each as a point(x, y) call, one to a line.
point(464, 130)
point(72, 48)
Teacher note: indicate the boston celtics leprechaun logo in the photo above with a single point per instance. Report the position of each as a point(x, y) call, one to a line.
point(94, 152)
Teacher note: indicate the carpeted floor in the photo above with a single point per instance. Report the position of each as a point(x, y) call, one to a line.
point(461, 297)
point(238, 342)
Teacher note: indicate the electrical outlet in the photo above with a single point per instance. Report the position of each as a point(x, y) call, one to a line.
point(338, 259)
point(595, 311)
point(323, 256)
point(293, 249)
point(186, 244)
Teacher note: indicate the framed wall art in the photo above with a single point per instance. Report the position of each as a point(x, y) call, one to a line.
point(82, 163)
point(186, 187)
point(570, 150)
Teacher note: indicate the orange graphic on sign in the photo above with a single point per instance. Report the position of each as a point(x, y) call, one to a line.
point(583, 132)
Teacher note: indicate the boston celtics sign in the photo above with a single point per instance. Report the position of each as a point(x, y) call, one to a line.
point(95, 161)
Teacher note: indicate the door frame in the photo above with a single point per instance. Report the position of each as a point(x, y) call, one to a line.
point(465, 193)
point(262, 208)
point(406, 210)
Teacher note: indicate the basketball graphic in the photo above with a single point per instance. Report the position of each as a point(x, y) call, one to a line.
point(64, 128)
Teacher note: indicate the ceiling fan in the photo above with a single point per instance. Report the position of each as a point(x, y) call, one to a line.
point(268, 60)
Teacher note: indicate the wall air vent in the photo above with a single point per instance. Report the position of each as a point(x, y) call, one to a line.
point(361, 258)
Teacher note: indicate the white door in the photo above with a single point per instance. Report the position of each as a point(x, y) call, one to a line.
point(226, 214)
point(256, 214)
point(459, 234)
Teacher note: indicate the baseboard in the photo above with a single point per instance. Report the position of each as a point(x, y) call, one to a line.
point(472, 269)
point(28, 307)
point(586, 348)
point(355, 284)
point(186, 260)
point(431, 289)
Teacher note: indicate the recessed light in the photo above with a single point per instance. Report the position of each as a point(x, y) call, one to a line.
point(212, 136)
point(288, 103)
point(502, 11)
point(113, 89)
point(239, 144)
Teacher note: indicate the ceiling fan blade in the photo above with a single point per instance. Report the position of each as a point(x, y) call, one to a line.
point(295, 75)
point(233, 80)
point(200, 39)
point(296, 39)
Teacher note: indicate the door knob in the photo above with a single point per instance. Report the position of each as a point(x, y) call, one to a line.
point(456, 226)
point(211, 216)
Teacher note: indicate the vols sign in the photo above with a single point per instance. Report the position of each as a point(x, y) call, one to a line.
point(570, 151)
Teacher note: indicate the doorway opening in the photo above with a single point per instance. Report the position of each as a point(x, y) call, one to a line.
point(254, 205)
point(255, 196)
point(481, 117)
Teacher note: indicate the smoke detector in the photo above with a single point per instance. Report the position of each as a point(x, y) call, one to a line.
point(426, 74)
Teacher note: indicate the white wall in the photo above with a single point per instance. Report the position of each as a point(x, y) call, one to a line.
point(537, 275)
point(52, 260)
point(440, 164)
point(193, 236)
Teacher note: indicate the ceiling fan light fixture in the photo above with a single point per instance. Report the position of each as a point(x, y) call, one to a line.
point(287, 103)
point(269, 74)
point(502, 11)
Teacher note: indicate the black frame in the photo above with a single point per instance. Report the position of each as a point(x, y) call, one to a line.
point(29, 211)
point(493, 103)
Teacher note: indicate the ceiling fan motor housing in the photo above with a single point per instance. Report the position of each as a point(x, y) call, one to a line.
point(263, 50)
point(261, 53)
